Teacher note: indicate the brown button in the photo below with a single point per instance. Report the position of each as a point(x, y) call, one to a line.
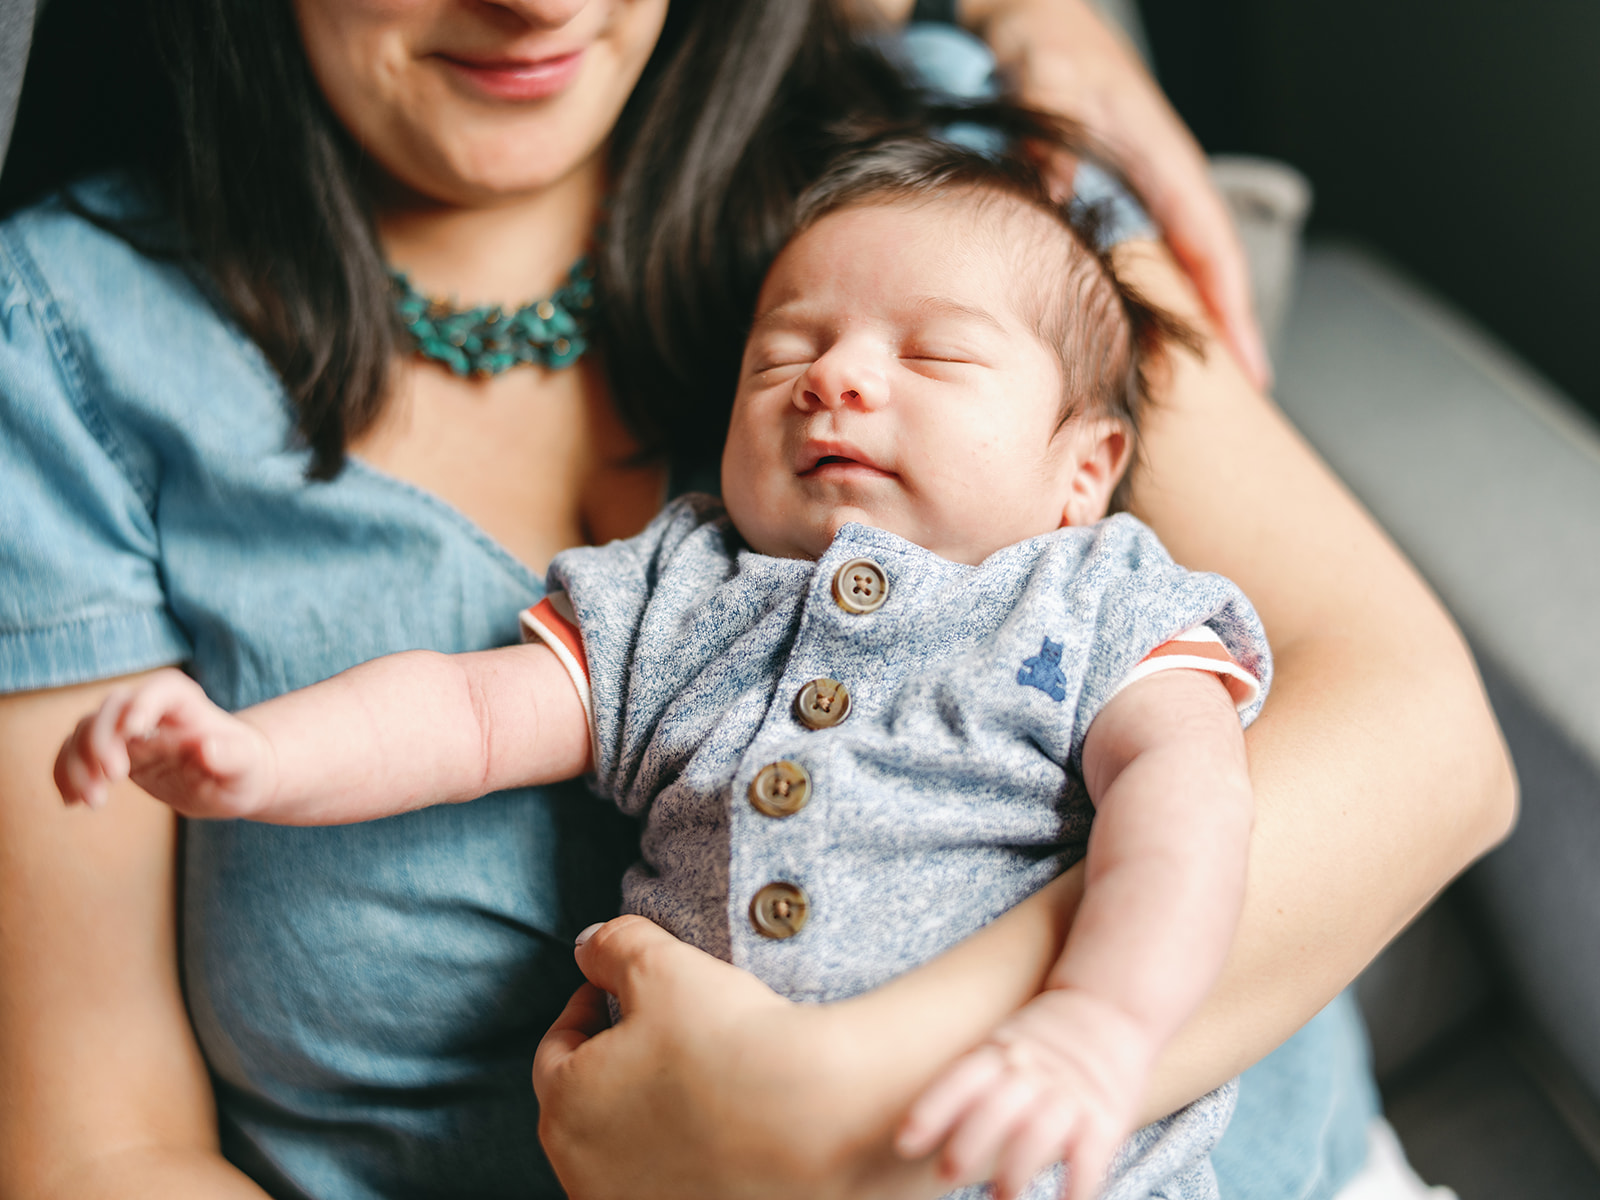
point(822, 704)
point(779, 910)
point(860, 586)
point(780, 789)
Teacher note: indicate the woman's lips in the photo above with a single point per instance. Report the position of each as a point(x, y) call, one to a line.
point(516, 79)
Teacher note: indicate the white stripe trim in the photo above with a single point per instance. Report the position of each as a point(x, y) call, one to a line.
point(1187, 662)
point(533, 628)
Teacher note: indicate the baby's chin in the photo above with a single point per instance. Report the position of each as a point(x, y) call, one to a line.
point(810, 538)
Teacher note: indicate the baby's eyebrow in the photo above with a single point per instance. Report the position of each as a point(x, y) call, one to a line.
point(787, 315)
point(945, 306)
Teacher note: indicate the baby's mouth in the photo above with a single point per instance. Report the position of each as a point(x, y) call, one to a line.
point(823, 460)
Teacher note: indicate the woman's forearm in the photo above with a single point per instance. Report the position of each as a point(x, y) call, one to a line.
point(102, 1089)
point(1378, 770)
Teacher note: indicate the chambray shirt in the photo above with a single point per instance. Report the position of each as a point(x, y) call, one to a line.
point(951, 790)
point(368, 997)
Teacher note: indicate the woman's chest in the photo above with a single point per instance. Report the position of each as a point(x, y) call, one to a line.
point(536, 459)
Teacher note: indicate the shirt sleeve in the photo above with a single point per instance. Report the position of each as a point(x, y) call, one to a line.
point(1143, 613)
point(552, 623)
point(82, 596)
point(1199, 649)
point(602, 604)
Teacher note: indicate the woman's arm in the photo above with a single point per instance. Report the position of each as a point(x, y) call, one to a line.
point(103, 1093)
point(1378, 771)
point(1378, 768)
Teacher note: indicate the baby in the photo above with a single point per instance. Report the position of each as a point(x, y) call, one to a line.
point(875, 700)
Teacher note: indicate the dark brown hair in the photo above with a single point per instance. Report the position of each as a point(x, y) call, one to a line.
point(1106, 336)
point(267, 198)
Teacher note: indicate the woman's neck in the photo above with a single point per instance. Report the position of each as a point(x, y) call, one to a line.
point(503, 254)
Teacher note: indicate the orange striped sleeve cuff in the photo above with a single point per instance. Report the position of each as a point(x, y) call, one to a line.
point(1199, 649)
point(553, 622)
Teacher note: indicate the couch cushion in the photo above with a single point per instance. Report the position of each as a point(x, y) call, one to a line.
point(1490, 481)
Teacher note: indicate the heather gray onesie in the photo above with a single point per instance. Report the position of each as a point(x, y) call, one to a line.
point(828, 855)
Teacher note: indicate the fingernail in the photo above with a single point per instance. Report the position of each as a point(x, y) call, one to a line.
point(585, 934)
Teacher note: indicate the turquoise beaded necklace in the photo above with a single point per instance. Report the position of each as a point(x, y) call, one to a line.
point(487, 340)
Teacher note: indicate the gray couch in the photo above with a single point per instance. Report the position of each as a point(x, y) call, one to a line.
point(1485, 1016)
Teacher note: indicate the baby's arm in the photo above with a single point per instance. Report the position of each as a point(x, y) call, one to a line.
point(1064, 1077)
point(386, 737)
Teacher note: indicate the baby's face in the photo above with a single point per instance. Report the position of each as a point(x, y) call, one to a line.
point(894, 377)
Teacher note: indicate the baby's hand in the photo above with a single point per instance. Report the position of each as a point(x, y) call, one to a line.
point(1061, 1080)
point(173, 742)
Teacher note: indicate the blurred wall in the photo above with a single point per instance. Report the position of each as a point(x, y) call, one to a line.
point(1461, 137)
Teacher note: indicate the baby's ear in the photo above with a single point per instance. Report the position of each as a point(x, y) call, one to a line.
point(1098, 450)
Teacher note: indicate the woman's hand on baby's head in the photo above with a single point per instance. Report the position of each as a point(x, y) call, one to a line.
point(1061, 1080)
point(171, 740)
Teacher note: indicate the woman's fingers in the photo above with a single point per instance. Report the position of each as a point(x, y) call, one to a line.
point(938, 1109)
point(584, 1016)
point(1204, 241)
point(1066, 59)
point(614, 956)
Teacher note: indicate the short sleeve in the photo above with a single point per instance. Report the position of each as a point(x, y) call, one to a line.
point(598, 599)
point(79, 553)
point(1144, 613)
point(552, 623)
point(1199, 649)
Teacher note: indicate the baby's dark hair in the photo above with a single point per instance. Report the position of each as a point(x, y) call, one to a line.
point(1106, 336)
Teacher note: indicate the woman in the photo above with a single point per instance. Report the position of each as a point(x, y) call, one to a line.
point(367, 999)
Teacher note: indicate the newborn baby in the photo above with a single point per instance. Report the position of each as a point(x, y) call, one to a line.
point(908, 674)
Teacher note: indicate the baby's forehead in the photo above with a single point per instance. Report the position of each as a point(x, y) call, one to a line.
point(982, 247)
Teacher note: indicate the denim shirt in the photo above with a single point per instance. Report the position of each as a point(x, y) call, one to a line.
point(367, 998)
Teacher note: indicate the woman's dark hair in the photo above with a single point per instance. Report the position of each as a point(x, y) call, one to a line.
point(1106, 336)
point(271, 203)
point(741, 107)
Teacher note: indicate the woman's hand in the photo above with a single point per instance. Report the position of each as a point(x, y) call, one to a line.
point(714, 1086)
point(723, 1088)
point(1063, 58)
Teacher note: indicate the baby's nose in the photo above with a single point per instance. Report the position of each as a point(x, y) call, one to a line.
point(833, 383)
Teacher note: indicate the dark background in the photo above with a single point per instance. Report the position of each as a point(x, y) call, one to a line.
point(1461, 138)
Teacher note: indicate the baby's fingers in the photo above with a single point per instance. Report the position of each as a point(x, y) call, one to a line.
point(1042, 1138)
point(79, 775)
point(1091, 1158)
point(939, 1108)
point(989, 1124)
point(168, 697)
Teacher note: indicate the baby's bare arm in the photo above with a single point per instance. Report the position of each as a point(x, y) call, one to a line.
point(1065, 1076)
point(391, 735)
point(1165, 764)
